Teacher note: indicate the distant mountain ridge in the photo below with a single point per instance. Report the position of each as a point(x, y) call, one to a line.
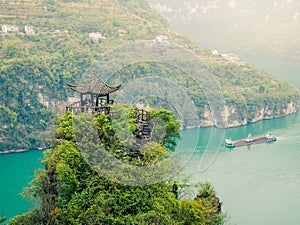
point(264, 27)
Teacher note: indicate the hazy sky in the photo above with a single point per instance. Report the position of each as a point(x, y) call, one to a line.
point(264, 26)
point(289, 9)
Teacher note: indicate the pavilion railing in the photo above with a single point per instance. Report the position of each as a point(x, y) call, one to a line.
point(76, 108)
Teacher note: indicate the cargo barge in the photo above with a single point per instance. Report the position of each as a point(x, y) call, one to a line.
point(250, 141)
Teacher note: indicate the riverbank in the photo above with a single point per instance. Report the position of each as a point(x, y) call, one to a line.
point(205, 124)
point(23, 150)
point(232, 124)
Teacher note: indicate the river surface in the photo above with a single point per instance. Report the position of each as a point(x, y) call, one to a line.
point(16, 171)
point(258, 185)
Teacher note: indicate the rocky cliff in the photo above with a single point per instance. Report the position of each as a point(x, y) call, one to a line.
point(235, 117)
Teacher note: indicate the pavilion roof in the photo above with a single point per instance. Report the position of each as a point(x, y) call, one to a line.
point(94, 85)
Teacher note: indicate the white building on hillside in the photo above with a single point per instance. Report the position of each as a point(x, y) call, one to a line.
point(96, 36)
point(29, 30)
point(9, 28)
point(215, 52)
point(161, 38)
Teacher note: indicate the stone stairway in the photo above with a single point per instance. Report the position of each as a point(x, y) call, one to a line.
point(144, 128)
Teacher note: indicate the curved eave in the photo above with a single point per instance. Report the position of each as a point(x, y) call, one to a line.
point(78, 88)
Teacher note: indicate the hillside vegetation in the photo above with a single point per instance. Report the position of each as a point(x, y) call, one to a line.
point(36, 66)
point(71, 191)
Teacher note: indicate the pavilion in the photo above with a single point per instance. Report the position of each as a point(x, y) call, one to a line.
point(94, 96)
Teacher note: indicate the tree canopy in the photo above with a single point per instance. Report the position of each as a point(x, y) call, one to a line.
point(70, 191)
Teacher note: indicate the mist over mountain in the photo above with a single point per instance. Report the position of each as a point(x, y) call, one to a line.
point(267, 27)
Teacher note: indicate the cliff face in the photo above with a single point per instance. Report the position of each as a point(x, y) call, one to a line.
point(235, 117)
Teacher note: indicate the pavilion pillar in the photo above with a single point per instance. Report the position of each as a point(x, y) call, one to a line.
point(81, 102)
point(97, 101)
point(92, 98)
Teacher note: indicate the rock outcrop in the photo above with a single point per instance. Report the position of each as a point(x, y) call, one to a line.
point(238, 116)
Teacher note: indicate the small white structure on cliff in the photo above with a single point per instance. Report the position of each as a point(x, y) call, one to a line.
point(215, 52)
point(161, 38)
point(95, 36)
point(29, 30)
point(9, 28)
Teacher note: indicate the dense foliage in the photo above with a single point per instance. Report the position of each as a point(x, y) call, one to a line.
point(35, 68)
point(251, 90)
point(70, 191)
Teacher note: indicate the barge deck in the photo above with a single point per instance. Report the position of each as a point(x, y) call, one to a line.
point(250, 141)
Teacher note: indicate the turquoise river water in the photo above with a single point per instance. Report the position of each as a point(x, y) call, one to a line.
point(258, 185)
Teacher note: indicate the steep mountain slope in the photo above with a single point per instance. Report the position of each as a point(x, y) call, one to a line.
point(35, 66)
point(46, 44)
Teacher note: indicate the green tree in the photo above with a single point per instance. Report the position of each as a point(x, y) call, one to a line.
point(204, 209)
point(170, 125)
point(71, 192)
